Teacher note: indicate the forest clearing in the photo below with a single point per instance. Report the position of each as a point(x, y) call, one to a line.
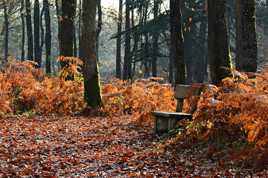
point(133, 88)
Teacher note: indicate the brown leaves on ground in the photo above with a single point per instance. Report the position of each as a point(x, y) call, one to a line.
point(99, 147)
point(231, 119)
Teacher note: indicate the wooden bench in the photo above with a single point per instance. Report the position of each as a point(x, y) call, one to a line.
point(166, 121)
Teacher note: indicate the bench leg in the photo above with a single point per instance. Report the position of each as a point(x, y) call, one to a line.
point(179, 105)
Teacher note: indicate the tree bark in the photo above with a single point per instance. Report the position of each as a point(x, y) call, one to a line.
point(67, 16)
point(59, 21)
point(127, 57)
point(88, 54)
point(37, 48)
point(202, 61)
point(29, 29)
point(6, 25)
point(79, 24)
point(246, 38)
point(118, 40)
point(99, 26)
point(155, 41)
point(177, 47)
point(218, 45)
point(22, 30)
point(47, 35)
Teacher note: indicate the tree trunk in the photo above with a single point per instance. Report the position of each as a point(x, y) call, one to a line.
point(68, 10)
point(37, 48)
point(99, 27)
point(155, 40)
point(79, 24)
point(146, 43)
point(29, 29)
point(47, 35)
point(202, 61)
point(74, 43)
point(127, 57)
point(218, 45)
point(6, 24)
point(59, 21)
point(22, 30)
point(246, 40)
point(176, 50)
point(88, 54)
point(118, 41)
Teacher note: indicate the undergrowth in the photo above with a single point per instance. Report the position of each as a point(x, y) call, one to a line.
point(26, 89)
point(235, 113)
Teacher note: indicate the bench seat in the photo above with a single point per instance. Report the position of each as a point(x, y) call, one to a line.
point(175, 115)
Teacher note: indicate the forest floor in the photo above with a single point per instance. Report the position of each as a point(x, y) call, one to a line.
point(100, 147)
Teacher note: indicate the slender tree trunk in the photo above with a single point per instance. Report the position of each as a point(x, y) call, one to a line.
point(42, 30)
point(218, 45)
point(146, 43)
point(246, 39)
point(127, 57)
point(47, 36)
point(37, 48)
point(99, 26)
point(6, 24)
point(155, 40)
point(74, 43)
point(118, 40)
point(79, 25)
point(59, 23)
point(29, 29)
point(177, 52)
point(202, 61)
point(22, 30)
point(88, 55)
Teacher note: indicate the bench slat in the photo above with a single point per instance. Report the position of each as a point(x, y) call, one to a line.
point(172, 114)
point(184, 91)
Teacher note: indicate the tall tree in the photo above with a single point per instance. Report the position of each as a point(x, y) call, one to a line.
point(218, 45)
point(146, 49)
point(118, 40)
point(127, 57)
point(67, 15)
point(177, 47)
point(22, 29)
point(37, 47)
point(47, 35)
point(155, 40)
point(88, 54)
point(99, 26)
point(79, 23)
point(6, 25)
point(29, 29)
point(57, 5)
point(246, 40)
point(176, 50)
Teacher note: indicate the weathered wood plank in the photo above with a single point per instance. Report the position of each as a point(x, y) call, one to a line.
point(172, 114)
point(184, 91)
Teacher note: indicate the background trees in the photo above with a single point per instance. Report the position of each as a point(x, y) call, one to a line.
point(135, 40)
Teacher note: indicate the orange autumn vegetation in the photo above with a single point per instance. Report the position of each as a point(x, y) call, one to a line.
point(23, 89)
point(236, 110)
